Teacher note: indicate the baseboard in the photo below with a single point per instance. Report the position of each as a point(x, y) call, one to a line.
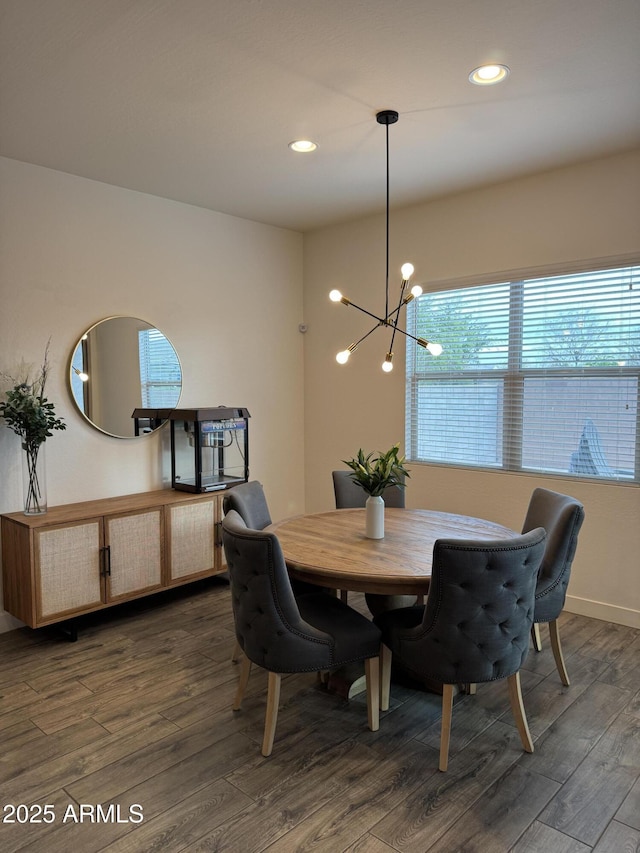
point(601, 610)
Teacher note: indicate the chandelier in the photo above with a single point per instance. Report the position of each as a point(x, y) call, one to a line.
point(391, 316)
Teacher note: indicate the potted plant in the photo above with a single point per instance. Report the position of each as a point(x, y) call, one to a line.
point(374, 474)
point(31, 416)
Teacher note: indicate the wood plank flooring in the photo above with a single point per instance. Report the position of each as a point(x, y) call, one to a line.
point(136, 718)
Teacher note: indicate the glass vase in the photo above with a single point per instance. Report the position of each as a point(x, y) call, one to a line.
point(34, 478)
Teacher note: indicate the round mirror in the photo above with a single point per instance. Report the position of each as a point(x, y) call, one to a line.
point(119, 365)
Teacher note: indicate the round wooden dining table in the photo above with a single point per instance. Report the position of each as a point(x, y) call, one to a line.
point(330, 548)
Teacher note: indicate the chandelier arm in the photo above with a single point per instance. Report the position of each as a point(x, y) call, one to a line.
point(402, 289)
point(393, 337)
point(420, 341)
point(397, 315)
point(380, 320)
point(402, 302)
point(370, 332)
point(392, 314)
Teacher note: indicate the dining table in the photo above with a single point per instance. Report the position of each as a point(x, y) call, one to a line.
point(330, 549)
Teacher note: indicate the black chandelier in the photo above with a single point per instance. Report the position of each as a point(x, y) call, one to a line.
point(390, 319)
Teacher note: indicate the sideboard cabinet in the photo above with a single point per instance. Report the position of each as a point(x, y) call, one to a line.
point(87, 556)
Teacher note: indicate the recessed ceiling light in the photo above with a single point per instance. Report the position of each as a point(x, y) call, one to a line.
point(487, 75)
point(303, 146)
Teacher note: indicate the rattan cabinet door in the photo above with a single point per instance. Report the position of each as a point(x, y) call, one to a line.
point(68, 568)
point(191, 539)
point(133, 553)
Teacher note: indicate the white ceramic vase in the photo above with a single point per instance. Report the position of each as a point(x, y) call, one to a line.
point(374, 509)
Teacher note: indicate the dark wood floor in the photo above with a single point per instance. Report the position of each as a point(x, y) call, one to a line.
point(137, 713)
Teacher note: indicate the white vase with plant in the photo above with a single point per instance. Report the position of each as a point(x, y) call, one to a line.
point(31, 416)
point(374, 474)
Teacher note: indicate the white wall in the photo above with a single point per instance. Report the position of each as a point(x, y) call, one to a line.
point(227, 293)
point(561, 217)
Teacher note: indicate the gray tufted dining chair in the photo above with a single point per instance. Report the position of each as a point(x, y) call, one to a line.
point(283, 633)
point(562, 517)
point(249, 501)
point(475, 625)
point(348, 495)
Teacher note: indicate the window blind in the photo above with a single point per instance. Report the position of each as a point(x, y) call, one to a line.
point(160, 371)
point(537, 375)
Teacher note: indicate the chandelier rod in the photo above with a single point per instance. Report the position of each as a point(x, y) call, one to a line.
point(387, 117)
point(386, 280)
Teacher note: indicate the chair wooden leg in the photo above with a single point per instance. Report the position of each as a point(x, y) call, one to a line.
point(517, 707)
point(535, 637)
point(237, 651)
point(243, 680)
point(271, 718)
point(372, 675)
point(556, 648)
point(385, 677)
point(445, 727)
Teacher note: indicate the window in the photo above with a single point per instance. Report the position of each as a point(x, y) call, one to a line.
point(536, 375)
point(160, 372)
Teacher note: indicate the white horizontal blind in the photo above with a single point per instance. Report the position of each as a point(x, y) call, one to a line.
point(160, 371)
point(535, 375)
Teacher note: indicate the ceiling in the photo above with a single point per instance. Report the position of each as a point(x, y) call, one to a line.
point(196, 100)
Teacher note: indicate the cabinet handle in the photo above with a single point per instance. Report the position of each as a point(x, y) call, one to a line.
point(106, 560)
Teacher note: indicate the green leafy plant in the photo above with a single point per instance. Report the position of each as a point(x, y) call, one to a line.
point(374, 474)
point(26, 410)
point(30, 415)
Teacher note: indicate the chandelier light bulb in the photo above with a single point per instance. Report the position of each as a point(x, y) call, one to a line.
point(387, 364)
point(343, 356)
point(434, 349)
point(82, 376)
point(406, 271)
point(335, 296)
point(416, 290)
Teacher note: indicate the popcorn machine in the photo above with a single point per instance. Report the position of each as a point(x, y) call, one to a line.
point(209, 448)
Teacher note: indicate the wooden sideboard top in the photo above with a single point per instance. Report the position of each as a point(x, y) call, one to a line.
point(107, 506)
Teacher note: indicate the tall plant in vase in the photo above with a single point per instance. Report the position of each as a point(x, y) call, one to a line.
point(374, 474)
point(30, 415)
